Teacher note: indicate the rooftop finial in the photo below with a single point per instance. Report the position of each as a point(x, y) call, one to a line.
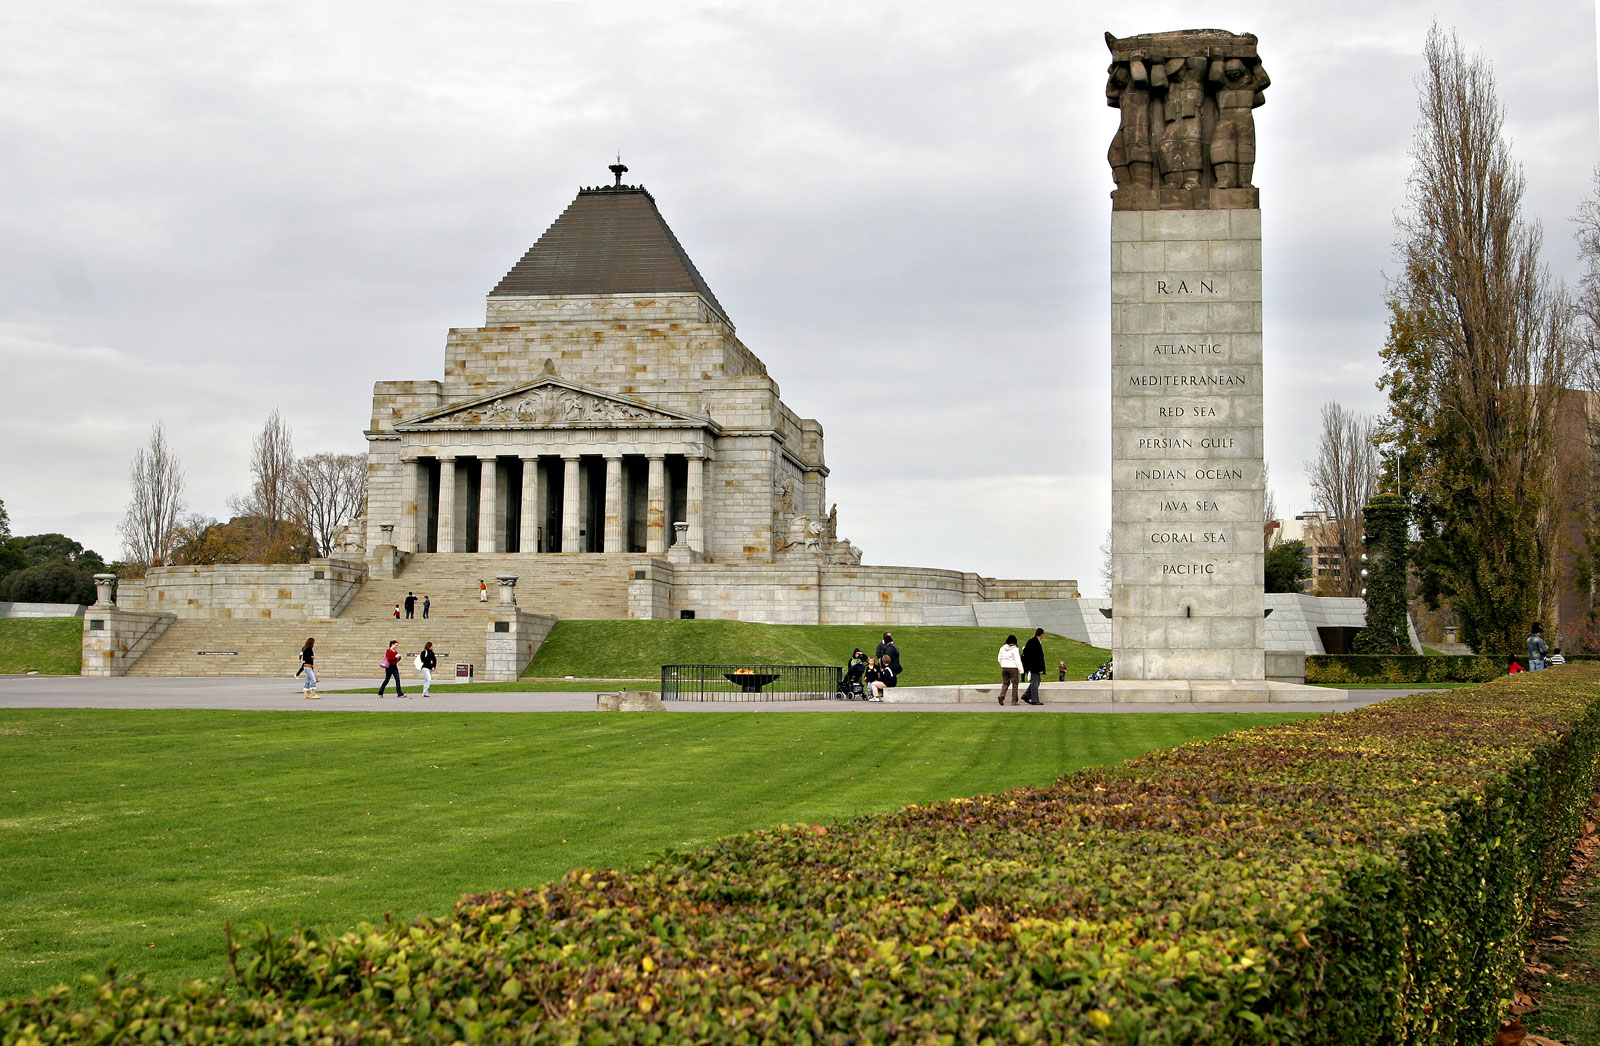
point(618, 169)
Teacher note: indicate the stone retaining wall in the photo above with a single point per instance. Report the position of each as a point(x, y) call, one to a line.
point(243, 590)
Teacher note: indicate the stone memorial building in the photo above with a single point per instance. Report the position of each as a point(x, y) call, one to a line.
point(606, 425)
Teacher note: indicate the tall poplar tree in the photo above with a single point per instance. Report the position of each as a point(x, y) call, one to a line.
point(1477, 355)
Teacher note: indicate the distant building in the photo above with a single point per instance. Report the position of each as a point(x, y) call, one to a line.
point(1314, 529)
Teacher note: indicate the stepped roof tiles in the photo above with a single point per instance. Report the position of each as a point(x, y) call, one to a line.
point(610, 240)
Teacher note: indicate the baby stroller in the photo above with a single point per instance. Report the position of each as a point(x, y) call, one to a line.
point(850, 688)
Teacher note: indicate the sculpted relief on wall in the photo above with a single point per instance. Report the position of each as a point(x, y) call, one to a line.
point(550, 407)
point(1187, 136)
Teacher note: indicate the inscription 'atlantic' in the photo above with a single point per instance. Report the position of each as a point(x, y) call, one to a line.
point(1188, 350)
point(1182, 287)
point(1168, 380)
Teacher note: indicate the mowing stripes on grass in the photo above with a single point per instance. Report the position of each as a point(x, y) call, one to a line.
point(137, 834)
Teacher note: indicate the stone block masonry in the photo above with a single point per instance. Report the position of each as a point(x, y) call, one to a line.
point(1187, 445)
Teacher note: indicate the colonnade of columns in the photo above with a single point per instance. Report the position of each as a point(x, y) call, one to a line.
point(432, 520)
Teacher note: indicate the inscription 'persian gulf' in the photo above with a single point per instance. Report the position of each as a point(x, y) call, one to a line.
point(1185, 443)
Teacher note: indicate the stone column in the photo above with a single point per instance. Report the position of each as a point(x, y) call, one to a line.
point(694, 504)
point(447, 504)
point(571, 506)
point(406, 538)
point(1187, 457)
point(488, 493)
point(655, 510)
point(613, 538)
point(531, 518)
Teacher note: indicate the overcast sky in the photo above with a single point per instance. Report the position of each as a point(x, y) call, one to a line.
point(209, 210)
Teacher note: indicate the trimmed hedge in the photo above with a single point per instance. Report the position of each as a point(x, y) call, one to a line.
point(1357, 878)
point(1414, 668)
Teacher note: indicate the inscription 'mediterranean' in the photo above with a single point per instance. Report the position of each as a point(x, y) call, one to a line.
point(1187, 380)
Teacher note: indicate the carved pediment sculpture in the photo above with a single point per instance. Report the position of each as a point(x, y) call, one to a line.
point(549, 405)
point(1187, 136)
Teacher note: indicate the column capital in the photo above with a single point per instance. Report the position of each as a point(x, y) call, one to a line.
point(571, 455)
point(656, 457)
point(445, 457)
point(612, 453)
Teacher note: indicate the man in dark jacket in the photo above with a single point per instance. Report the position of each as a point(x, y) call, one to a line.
point(887, 647)
point(1033, 664)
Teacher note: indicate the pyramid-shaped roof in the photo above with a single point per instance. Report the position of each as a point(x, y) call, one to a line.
point(610, 240)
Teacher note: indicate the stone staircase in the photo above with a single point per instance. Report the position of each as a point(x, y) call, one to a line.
point(351, 645)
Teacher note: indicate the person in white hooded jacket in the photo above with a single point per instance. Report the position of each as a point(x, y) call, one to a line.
point(1010, 658)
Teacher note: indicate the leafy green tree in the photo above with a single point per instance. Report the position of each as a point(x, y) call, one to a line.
point(51, 548)
point(53, 582)
point(1287, 567)
point(1388, 629)
point(1478, 353)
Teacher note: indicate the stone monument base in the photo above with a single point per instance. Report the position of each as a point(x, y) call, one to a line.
point(1134, 691)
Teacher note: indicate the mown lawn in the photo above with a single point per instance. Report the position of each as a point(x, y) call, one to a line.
point(135, 835)
point(51, 646)
point(930, 655)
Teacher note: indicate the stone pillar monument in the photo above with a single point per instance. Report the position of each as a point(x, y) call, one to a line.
point(1188, 483)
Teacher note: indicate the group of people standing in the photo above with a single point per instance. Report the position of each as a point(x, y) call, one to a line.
point(411, 607)
point(426, 661)
point(873, 675)
point(1014, 662)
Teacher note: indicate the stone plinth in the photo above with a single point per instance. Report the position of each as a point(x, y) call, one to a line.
point(630, 701)
point(1187, 449)
point(512, 639)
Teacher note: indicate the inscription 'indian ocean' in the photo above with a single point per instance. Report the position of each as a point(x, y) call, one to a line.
point(1188, 350)
point(1222, 474)
point(1166, 380)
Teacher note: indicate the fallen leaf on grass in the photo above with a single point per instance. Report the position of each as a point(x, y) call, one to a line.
point(1522, 1002)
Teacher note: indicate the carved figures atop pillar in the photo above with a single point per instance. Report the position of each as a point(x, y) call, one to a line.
point(508, 589)
point(1187, 137)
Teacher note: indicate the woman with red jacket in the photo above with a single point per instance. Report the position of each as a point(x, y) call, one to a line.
point(391, 669)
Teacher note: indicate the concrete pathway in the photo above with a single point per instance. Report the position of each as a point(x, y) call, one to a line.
point(284, 695)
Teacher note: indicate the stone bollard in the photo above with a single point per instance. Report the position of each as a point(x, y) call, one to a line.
point(508, 589)
point(104, 585)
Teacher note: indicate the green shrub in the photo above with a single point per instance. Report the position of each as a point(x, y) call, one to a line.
point(1357, 878)
point(1403, 668)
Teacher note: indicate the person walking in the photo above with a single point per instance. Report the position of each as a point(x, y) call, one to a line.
point(892, 652)
point(391, 669)
point(308, 660)
point(397, 611)
point(1033, 664)
point(1537, 651)
point(1010, 668)
point(427, 661)
point(483, 591)
point(411, 605)
point(425, 605)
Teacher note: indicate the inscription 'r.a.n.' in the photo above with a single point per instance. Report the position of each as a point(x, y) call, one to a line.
point(1182, 287)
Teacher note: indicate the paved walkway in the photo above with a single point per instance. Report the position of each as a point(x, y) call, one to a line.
point(284, 695)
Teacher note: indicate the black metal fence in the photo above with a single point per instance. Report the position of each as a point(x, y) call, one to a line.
point(748, 682)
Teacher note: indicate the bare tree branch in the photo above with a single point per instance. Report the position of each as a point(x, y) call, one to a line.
point(327, 491)
point(1343, 479)
point(149, 526)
